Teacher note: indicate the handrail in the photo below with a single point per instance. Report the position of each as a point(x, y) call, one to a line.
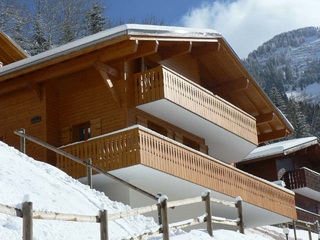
point(83, 162)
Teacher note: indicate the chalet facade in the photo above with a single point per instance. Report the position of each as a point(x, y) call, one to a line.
point(296, 163)
point(167, 109)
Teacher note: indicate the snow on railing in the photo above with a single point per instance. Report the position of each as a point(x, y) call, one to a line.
point(28, 214)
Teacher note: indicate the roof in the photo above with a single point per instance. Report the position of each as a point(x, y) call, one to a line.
point(9, 51)
point(220, 69)
point(282, 148)
point(103, 36)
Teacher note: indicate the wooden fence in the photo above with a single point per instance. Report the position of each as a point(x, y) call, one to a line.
point(28, 214)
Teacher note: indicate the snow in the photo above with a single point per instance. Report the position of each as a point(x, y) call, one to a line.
point(51, 190)
point(283, 147)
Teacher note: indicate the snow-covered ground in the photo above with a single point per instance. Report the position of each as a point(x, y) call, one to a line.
point(24, 179)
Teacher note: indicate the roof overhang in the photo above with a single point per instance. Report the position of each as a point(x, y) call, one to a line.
point(281, 148)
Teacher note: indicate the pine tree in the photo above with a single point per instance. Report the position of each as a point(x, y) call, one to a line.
point(298, 120)
point(95, 21)
point(40, 41)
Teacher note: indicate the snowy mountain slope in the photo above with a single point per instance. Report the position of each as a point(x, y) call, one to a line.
point(290, 61)
point(22, 178)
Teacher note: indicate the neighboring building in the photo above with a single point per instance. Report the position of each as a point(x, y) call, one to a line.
point(295, 162)
point(167, 109)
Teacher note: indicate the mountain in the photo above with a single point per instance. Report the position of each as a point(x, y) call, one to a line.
point(290, 61)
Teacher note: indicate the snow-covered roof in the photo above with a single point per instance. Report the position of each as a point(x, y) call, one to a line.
point(127, 29)
point(284, 147)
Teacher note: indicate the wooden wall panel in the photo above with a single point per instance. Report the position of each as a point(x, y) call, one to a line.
point(84, 97)
point(51, 90)
point(184, 65)
point(264, 169)
point(16, 111)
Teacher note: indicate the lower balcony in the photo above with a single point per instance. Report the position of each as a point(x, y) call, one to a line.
point(169, 96)
point(303, 181)
point(160, 164)
point(307, 216)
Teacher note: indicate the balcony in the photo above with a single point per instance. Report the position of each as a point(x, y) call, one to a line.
point(181, 102)
point(304, 182)
point(140, 147)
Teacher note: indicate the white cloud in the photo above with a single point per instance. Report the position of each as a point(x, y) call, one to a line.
point(246, 24)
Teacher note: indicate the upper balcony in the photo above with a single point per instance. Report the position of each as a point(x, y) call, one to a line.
point(137, 152)
point(303, 181)
point(181, 102)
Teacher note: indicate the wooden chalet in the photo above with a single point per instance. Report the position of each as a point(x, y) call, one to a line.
point(295, 162)
point(165, 108)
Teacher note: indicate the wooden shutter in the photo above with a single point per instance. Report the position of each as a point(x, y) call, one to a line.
point(95, 127)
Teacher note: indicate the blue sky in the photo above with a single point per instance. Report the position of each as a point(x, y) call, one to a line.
point(245, 24)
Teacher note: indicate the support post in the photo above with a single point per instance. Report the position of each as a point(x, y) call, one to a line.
point(318, 229)
point(294, 229)
point(27, 215)
point(164, 216)
point(206, 198)
point(240, 215)
point(89, 172)
point(309, 232)
point(104, 225)
point(22, 141)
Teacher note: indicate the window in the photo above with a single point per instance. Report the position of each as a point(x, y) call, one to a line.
point(191, 143)
point(81, 131)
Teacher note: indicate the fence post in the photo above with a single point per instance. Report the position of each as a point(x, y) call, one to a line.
point(309, 231)
point(206, 198)
point(294, 229)
point(159, 209)
point(27, 215)
point(104, 225)
point(240, 215)
point(317, 229)
point(164, 216)
point(22, 141)
point(89, 172)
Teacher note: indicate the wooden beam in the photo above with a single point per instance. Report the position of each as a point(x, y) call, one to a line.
point(109, 70)
point(109, 85)
point(110, 53)
point(231, 87)
point(144, 48)
point(208, 48)
point(264, 118)
point(175, 50)
point(264, 137)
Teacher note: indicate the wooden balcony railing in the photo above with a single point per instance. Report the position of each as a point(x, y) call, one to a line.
point(160, 83)
point(307, 216)
point(301, 178)
point(138, 145)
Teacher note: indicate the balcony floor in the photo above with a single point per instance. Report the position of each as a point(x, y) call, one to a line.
point(308, 192)
point(155, 181)
point(218, 139)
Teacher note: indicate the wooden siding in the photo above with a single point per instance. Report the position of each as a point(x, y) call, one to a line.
point(264, 169)
point(84, 97)
point(162, 83)
point(17, 111)
point(142, 146)
point(52, 115)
